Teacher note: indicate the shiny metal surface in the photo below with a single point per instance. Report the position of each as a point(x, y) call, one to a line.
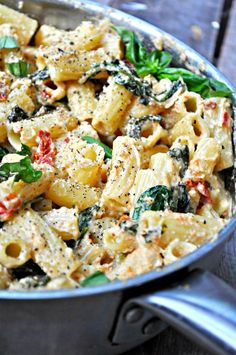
point(202, 306)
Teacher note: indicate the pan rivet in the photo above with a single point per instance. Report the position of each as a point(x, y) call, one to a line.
point(152, 326)
point(134, 314)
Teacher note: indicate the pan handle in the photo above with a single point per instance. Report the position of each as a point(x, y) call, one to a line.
point(202, 307)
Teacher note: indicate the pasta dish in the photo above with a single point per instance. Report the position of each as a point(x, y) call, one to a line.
point(111, 157)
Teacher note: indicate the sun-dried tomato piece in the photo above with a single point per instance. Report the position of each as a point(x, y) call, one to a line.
point(225, 119)
point(202, 187)
point(7, 212)
point(46, 151)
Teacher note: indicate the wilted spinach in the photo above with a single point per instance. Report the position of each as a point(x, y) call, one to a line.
point(160, 198)
point(181, 154)
point(85, 218)
point(40, 75)
point(17, 114)
point(127, 76)
point(134, 125)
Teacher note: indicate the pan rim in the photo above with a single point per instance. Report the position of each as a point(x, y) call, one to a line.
point(184, 262)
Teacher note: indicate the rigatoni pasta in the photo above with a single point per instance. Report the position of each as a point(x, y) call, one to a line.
point(109, 158)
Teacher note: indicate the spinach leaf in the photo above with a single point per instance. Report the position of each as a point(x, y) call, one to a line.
point(181, 154)
point(30, 268)
point(126, 76)
point(156, 63)
point(23, 170)
point(17, 114)
point(98, 278)
point(134, 125)
point(40, 75)
point(85, 218)
point(160, 198)
point(25, 150)
point(180, 200)
point(19, 69)
point(91, 140)
point(155, 198)
point(8, 42)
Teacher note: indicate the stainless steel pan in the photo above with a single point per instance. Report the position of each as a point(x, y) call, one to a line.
point(113, 318)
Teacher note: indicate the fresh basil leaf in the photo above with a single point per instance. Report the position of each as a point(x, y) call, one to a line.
point(17, 114)
point(156, 63)
point(19, 69)
point(134, 50)
point(98, 278)
point(181, 154)
point(25, 150)
point(91, 140)
point(218, 89)
point(8, 42)
point(144, 61)
point(155, 198)
point(40, 75)
point(23, 170)
point(85, 218)
point(202, 85)
point(134, 125)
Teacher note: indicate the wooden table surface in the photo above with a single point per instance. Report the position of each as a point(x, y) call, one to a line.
point(209, 26)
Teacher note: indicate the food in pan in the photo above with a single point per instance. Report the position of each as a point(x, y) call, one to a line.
point(111, 158)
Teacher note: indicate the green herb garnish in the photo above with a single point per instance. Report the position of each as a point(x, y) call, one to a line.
point(98, 278)
point(181, 154)
point(8, 42)
point(156, 63)
point(202, 85)
point(23, 170)
point(19, 69)
point(145, 62)
point(160, 198)
point(91, 140)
